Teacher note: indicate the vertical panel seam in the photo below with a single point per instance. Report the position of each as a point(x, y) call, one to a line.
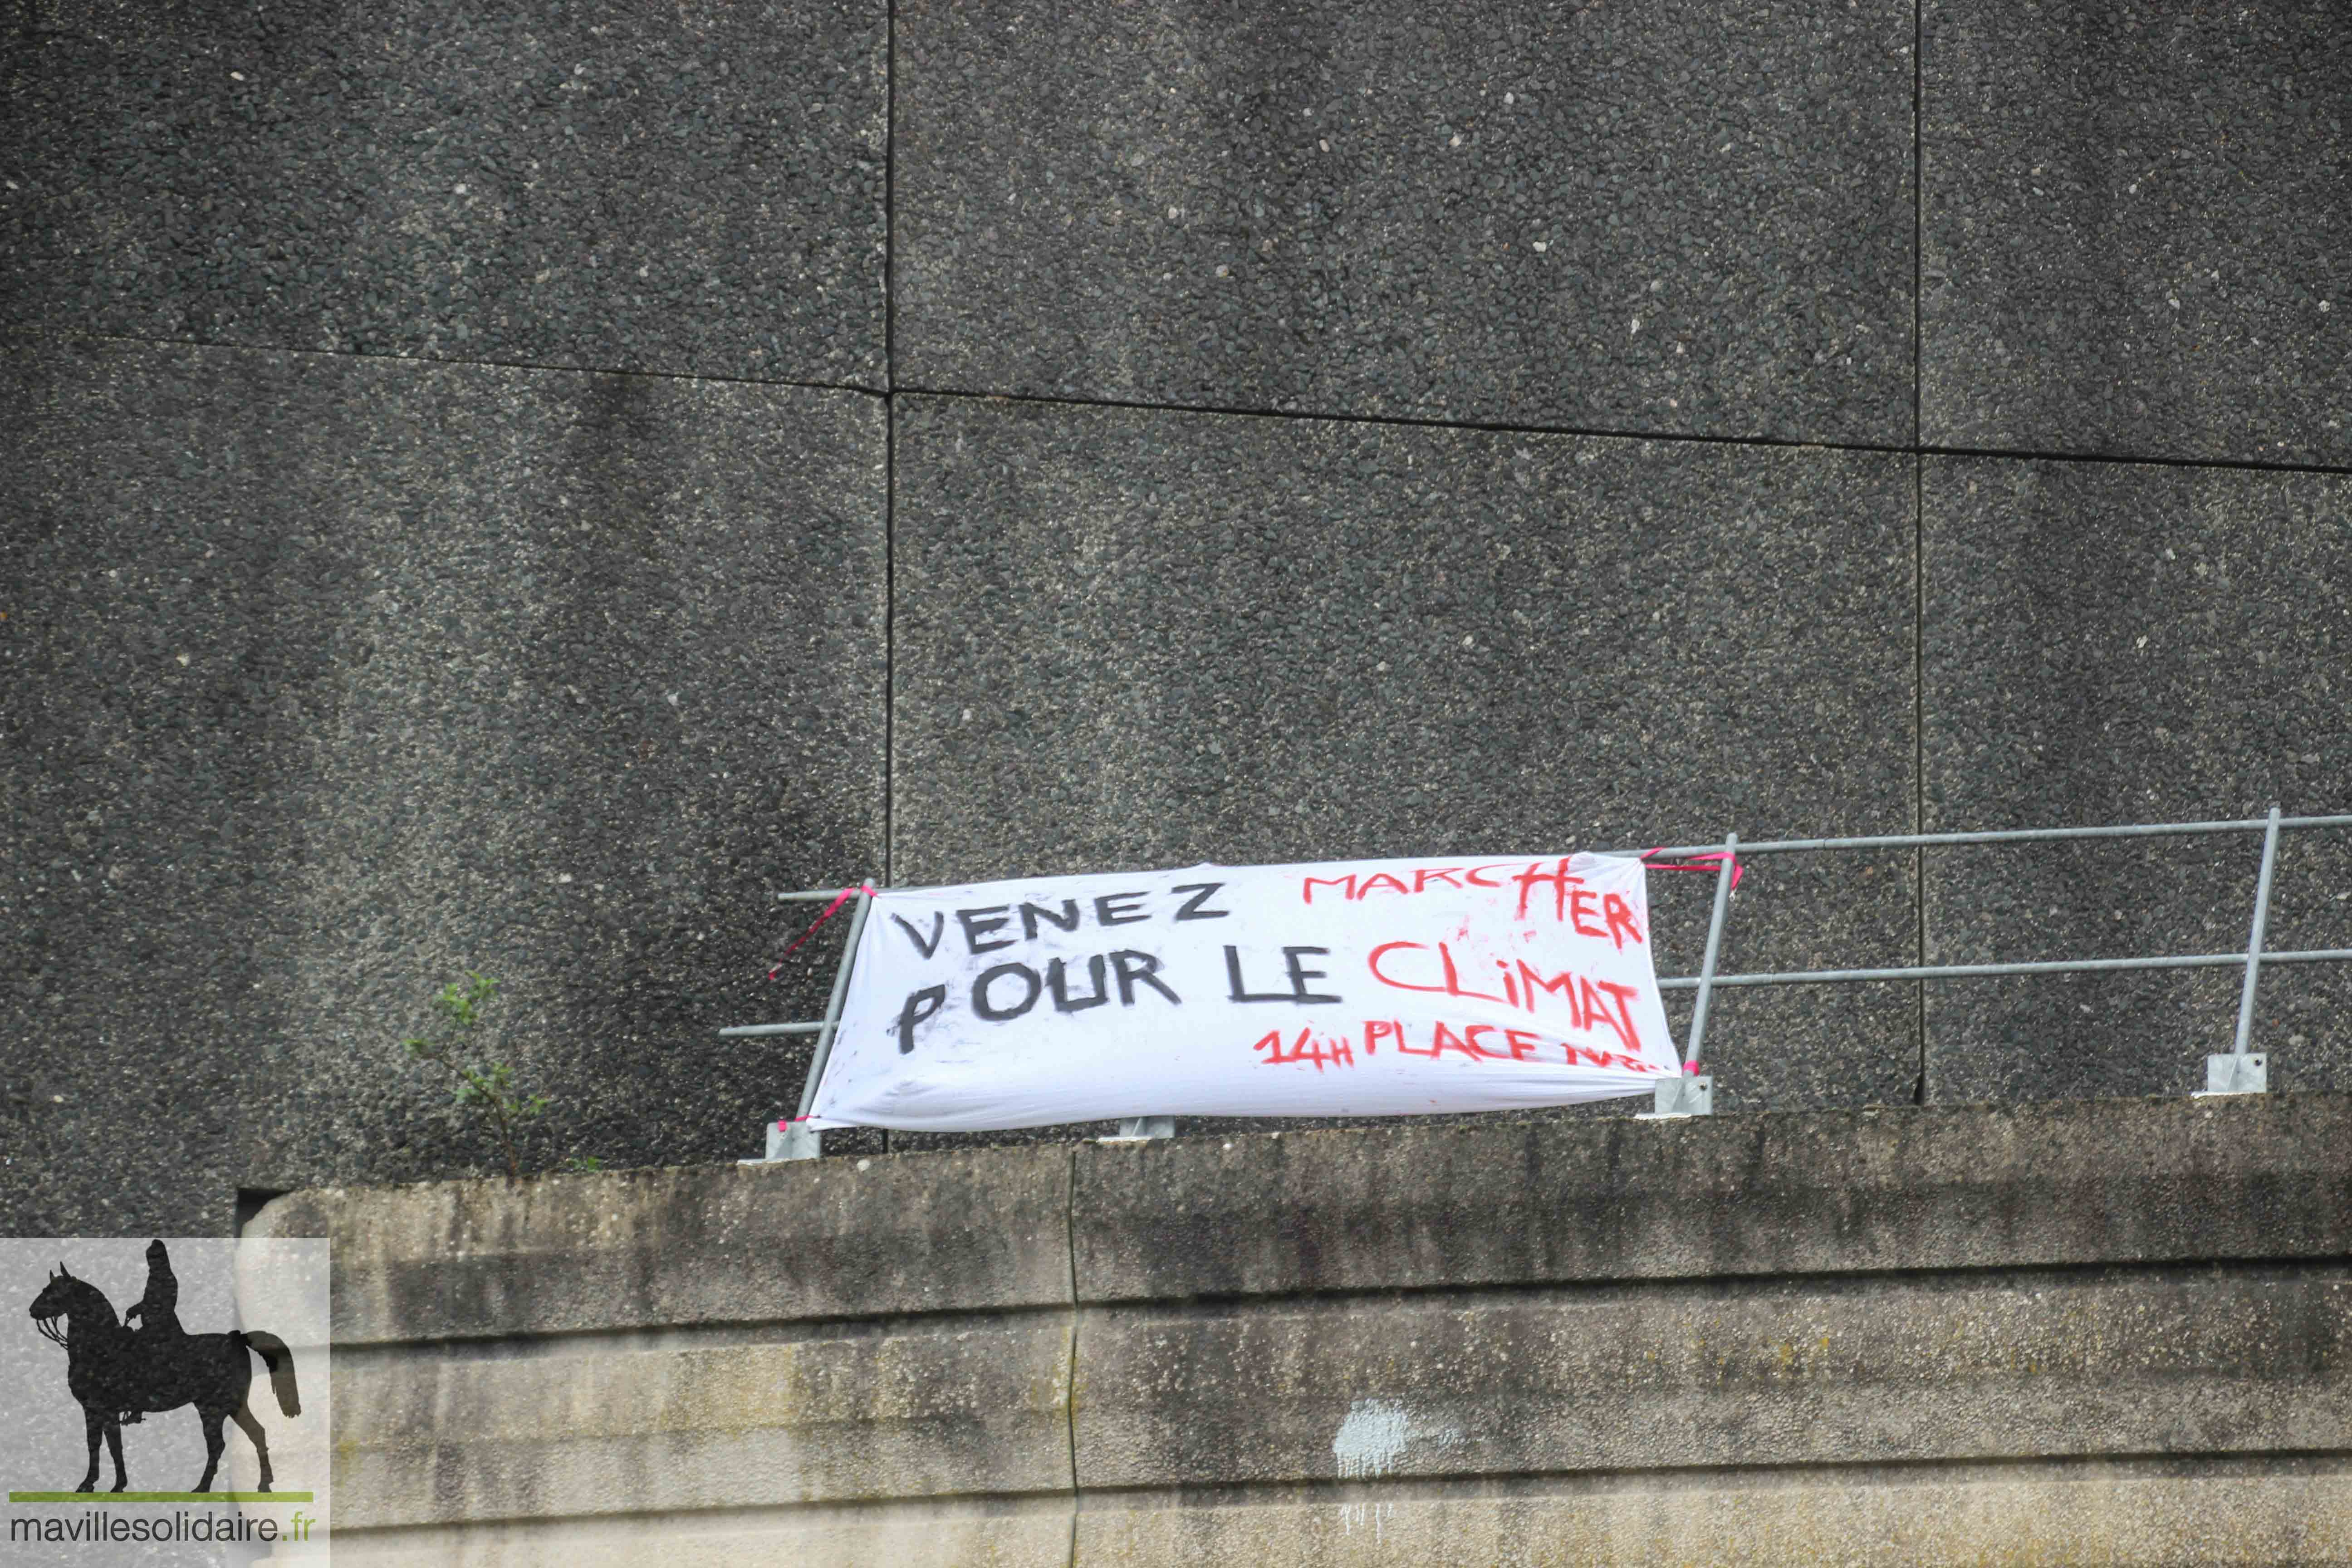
point(1919, 744)
point(1919, 521)
point(1919, 220)
point(890, 447)
point(1070, 1395)
point(889, 437)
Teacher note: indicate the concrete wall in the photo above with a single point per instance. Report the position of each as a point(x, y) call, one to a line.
point(2109, 1332)
point(517, 488)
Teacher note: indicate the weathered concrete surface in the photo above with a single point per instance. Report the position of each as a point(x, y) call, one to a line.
point(1962, 1366)
point(331, 678)
point(689, 1246)
point(1130, 637)
point(2117, 642)
point(603, 186)
point(2190, 1516)
point(943, 1409)
point(1692, 217)
point(2082, 1183)
point(992, 1533)
point(2132, 227)
point(2110, 1333)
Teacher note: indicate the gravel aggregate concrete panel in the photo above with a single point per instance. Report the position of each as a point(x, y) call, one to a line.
point(1694, 217)
point(1132, 638)
point(336, 678)
point(2134, 227)
point(2117, 643)
point(697, 190)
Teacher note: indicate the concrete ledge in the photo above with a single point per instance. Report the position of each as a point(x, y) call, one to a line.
point(980, 1410)
point(1826, 1192)
point(971, 1230)
point(2028, 1515)
point(1970, 1366)
point(997, 1533)
point(2102, 1332)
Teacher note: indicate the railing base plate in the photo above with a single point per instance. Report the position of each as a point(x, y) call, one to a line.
point(788, 1141)
point(1676, 1098)
point(1142, 1130)
point(2231, 1073)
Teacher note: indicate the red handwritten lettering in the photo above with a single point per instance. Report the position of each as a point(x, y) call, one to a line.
point(1622, 923)
point(1472, 1042)
point(1453, 986)
point(1441, 1039)
point(1309, 1047)
point(1558, 877)
point(1373, 964)
point(1605, 1001)
point(1582, 907)
point(1562, 985)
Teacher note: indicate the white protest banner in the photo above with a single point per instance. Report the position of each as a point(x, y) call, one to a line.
point(1357, 988)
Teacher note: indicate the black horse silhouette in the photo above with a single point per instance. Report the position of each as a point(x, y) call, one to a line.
point(111, 1371)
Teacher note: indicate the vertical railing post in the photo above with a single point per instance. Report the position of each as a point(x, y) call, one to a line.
point(1689, 1094)
point(790, 1141)
point(2254, 940)
point(2244, 1070)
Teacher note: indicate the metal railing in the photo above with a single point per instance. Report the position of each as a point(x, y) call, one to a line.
point(2239, 1070)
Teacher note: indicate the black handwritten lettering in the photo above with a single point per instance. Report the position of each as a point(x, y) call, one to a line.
point(918, 1005)
point(1032, 914)
point(977, 923)
point(1202, 892)
point(1111, 909)
point(1299, 975)
point(1237, 988)
point(1138, 969)
point(1057, 980)
point(983, 1007)
point(938, 929)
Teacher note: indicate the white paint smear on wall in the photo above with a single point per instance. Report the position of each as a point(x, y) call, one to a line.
point(1369, 1443)
point(1372, 1438)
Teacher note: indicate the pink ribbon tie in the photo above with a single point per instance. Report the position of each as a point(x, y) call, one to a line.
point(830, 910)
point(1707, 862)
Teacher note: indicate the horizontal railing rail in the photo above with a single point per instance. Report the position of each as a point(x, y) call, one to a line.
point(2240, 1070)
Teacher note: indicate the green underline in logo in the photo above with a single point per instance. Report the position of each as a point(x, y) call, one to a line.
point(160, 1496)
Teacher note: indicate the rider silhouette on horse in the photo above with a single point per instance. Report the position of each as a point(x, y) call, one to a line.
point(115, 1374)
point(159, 1336)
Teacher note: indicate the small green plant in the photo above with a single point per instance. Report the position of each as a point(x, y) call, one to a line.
point(488, 1090)
point(583, 1162)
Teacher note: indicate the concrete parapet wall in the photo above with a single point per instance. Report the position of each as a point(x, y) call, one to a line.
point(2099, 1332)
point(513, 488)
